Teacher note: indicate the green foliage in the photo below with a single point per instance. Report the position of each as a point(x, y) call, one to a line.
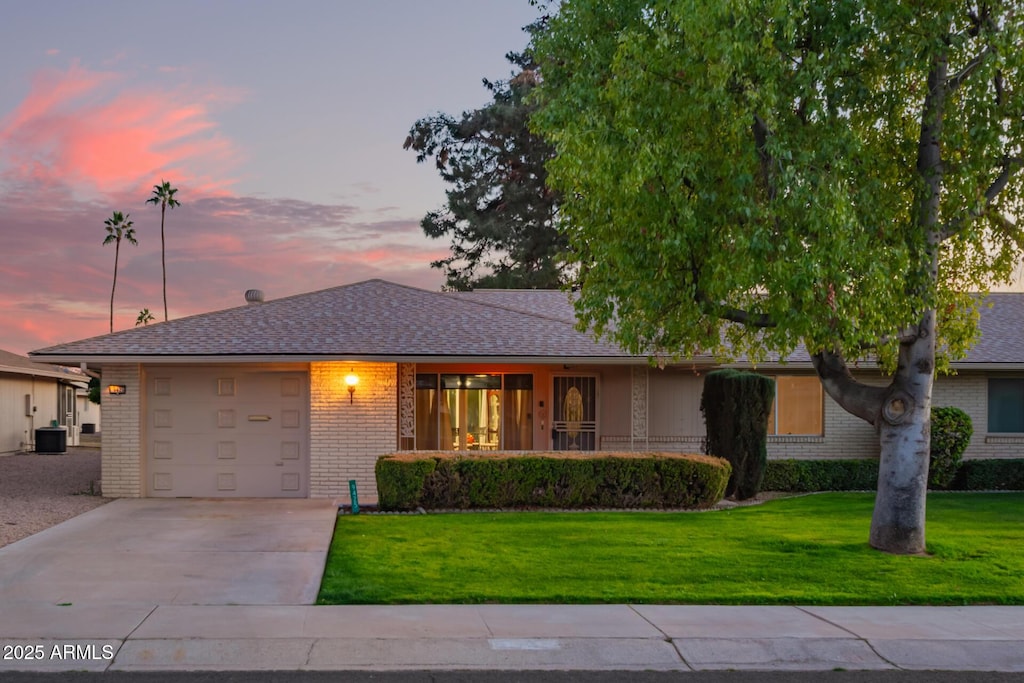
point(736, 405)
point(443, 481)
point(806, 476)
point(400, 483)
point(500, 215)
point(757, 164)
point(950, 436)
point(144, 317)
point(990, 475)
point(94, 390)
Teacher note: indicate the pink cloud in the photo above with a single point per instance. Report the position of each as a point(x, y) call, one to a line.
point(99, 134)
point(83, 143)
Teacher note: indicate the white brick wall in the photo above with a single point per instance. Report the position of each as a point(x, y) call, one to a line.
point(969, 392)
point(347, 438)
point(121, 436)
point(845, 435)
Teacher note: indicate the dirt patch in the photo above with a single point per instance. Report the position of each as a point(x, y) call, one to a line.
point(39, 491)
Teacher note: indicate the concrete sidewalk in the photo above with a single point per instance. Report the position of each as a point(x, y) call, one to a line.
point(165, 584)
point(135, 637)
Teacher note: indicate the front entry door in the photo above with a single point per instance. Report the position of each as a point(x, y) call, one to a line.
point(574, 419)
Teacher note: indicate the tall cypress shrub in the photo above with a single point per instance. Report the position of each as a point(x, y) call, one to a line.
point(735, 406)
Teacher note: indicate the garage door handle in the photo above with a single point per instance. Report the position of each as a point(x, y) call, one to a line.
point(279, 464)
point(259, 418)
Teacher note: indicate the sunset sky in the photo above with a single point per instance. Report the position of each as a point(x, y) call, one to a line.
point(280, 123)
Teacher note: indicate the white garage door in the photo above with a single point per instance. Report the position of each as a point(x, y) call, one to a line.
point(227, 432)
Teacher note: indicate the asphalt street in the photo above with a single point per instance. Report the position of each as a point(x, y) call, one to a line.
point(518, 677)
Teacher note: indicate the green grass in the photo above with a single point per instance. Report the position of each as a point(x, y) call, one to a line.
point(809, 550)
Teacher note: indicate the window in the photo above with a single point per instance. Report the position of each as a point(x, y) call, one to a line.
point(798, 408)
point(474, 412)
point(426, 412)
point(1006, 405)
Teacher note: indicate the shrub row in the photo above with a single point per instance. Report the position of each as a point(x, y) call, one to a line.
point(820, 475)
point(859, 475)
point(990, 475)
point(406, 481)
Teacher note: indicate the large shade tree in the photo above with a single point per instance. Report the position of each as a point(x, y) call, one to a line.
point(744, 177)
point(500, 214)
point(163, 195)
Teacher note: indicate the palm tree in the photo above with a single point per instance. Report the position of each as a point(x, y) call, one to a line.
point(163, 194)
point(118, 228)
point(145, 317)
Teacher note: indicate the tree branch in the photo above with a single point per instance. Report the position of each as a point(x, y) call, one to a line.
point(735, 315)
point(862, 400)
point(1010, 166)
point(761, 133)
point(959, 78)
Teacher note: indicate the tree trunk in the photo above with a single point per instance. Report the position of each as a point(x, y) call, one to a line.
point(163, 255)
point(901, 413)
point(117, 251)
point(904, 431)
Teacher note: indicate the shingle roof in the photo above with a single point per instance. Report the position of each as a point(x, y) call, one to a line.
point(367, 319)
point(12, 363)
point(379, 319)
point(550, 303)
point(1002, 332)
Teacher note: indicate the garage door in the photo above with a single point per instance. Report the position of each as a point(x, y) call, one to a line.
point(227, 433)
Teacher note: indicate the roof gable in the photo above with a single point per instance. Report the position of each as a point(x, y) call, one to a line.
point(374, 318)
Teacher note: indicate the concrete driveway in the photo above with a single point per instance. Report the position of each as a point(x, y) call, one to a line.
point(175, 552)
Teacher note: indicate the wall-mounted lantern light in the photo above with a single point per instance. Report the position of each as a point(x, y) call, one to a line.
point(351, 380)
point(117, 389)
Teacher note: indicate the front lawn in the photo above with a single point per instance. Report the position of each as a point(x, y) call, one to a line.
point(808, 550)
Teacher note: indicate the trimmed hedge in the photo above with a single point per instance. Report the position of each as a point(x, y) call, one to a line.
point(804, 476)
point(406, 481)
point(990, 475)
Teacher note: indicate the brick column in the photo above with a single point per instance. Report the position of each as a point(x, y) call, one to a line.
point(121, 433)
point(639, 379)
point(347, 438)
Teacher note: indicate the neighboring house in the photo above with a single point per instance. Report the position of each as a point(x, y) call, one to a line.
point(33, 395)
point(88, 412)
point(297, 396)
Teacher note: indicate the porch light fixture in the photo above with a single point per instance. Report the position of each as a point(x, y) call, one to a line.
point(117, 389)
point(351, 380)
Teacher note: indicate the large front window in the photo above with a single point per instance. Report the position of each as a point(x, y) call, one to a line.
point(474, 412)
point(798, 407)
point(1006, 405)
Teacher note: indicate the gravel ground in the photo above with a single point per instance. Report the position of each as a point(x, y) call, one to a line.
point(38, 491)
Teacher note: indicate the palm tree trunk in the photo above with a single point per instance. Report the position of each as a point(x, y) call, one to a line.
point(117, 249)
point(163, 258)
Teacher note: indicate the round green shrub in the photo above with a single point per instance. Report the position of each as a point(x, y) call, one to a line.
point(951, 433)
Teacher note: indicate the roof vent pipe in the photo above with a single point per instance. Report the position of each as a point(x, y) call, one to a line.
point(253, 296)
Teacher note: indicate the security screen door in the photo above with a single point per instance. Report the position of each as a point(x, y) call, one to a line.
point(574, 413)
